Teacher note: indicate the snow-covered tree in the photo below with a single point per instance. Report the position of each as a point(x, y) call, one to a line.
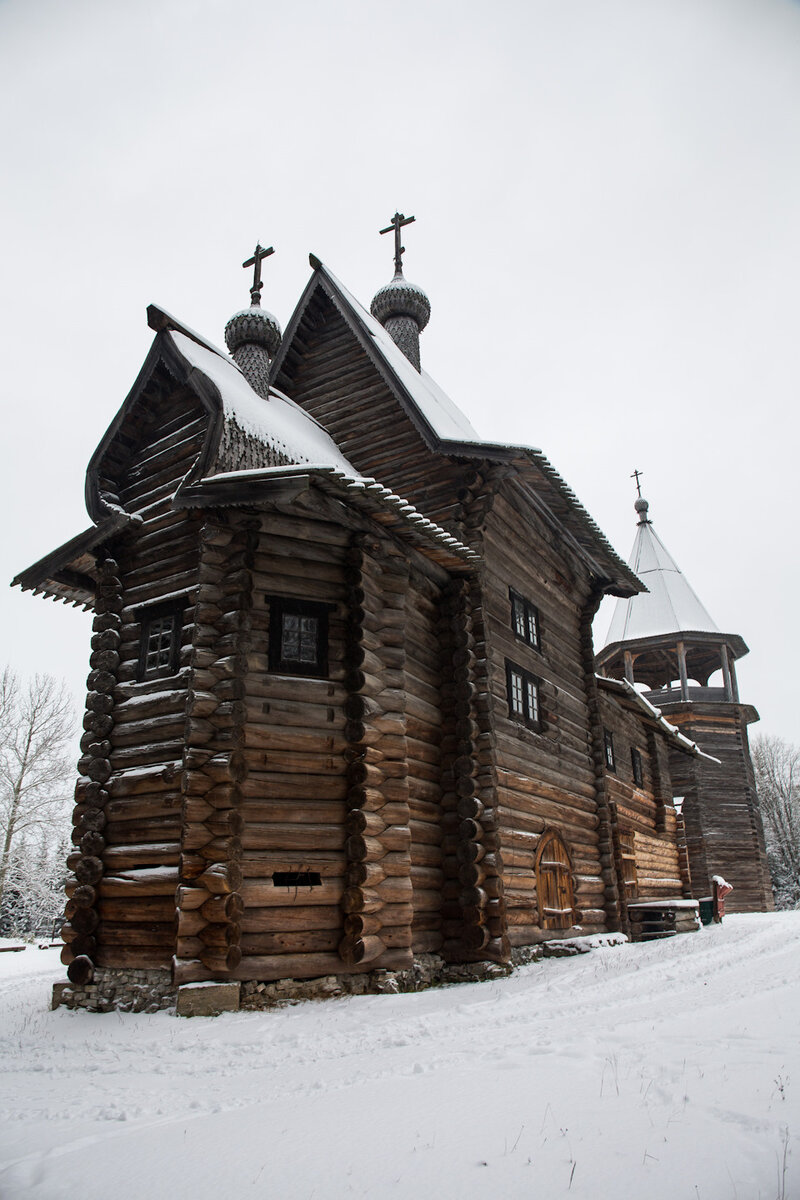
point(33, 897)
point(36, 726)
point(777, 767)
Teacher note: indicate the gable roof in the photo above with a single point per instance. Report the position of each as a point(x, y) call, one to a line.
point(445, 430)
point(279, 428)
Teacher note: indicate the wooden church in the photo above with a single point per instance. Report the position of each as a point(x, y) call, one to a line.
point(342, 706)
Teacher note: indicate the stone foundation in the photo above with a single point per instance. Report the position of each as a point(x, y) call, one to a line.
point(149, 991)
point(123, 989)
point(428, 970)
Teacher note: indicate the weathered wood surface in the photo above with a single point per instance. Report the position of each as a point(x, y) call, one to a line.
point(723, 826)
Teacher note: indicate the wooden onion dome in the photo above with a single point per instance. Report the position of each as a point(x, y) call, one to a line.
point(665, 638)
point(401, 307)
point(253, 335)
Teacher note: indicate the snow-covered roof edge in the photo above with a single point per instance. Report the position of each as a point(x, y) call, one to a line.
point(622, 687)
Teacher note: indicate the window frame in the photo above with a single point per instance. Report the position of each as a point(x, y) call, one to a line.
point(280, 606)
point(527, 680)
point(637, 767)
point(609, 757)
point(530, 618)
point(147, 616)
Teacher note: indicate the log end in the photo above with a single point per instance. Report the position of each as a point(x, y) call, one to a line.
point(81, 970)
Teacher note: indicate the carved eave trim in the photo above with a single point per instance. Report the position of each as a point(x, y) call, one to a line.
point(668, 641)
point(280, 484)
point(68, 573)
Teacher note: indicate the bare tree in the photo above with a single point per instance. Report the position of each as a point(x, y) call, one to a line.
point(777, 767)
point(37, 722)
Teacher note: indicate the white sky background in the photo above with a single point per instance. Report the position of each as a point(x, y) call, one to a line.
point(606, 194)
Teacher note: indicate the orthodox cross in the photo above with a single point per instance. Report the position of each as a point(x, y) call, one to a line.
point(255, 262)
point(635, 476)
point(397, 222)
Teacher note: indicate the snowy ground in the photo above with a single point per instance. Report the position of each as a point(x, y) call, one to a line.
point(665, 1071)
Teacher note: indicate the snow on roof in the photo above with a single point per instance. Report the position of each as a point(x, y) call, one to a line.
point(277, 422)
point(623, 688)
point(444, 417)
point(670, 604)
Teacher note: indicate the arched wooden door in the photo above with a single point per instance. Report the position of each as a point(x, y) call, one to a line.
point(554, 887)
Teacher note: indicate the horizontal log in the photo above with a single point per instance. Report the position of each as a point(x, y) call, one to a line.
point(137, 957)
point(310, 966)
point(144, 807)
point(284, 786)
point(157, 881)
point(287, 836)
point(292, 942)
point(158, 777)
point(294, 919)
point(131, 936)
point(155, 854)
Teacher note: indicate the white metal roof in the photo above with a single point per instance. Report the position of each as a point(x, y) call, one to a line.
point(670, 605)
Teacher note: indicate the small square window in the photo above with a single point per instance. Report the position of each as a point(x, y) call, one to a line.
point(608, 749)
point(298, 636)
point(522, 690)
point(636, 764)
point(525, 620)
point(160, 640)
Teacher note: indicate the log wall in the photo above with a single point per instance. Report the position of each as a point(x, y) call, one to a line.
point(128, 812)
point(545, 779)
point(644, 811)
point(723, 825)
point(294, 791)
point(424, 718)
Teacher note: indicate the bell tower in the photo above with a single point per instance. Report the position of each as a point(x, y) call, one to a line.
point(665, 640)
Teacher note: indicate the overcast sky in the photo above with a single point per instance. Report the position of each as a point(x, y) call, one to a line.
point(607, 197)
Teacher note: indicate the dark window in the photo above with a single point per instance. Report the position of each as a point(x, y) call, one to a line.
point(160, 639)
point(298, 636)
point(636, 763)
point(608, 749)
point(523, 696)
point(554, 888)
point(525, 620)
